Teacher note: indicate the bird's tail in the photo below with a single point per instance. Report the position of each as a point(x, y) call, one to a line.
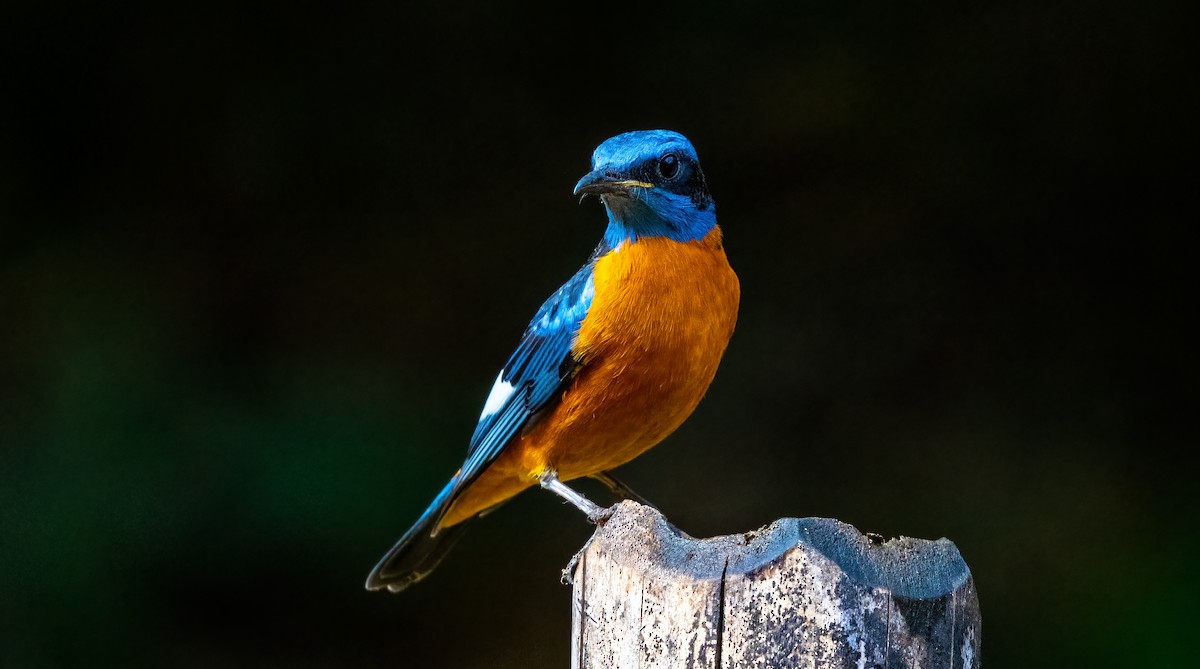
point(421, 548)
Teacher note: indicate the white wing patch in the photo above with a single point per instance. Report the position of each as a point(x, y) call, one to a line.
point(501, 391)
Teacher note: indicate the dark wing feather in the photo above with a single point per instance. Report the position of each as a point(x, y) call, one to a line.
point(526, 386)
point(535, 372)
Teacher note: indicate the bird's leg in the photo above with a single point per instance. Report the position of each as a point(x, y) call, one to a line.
point(549, 481)
point(620, 488)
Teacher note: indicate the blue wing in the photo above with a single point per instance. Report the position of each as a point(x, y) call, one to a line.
point(534, 374)
point(527, 385)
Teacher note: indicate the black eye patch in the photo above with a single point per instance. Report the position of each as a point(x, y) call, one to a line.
point(681, 176)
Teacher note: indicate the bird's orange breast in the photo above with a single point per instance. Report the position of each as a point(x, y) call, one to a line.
point(661, 316)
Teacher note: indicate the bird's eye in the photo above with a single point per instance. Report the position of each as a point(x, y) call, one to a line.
point(668, 166)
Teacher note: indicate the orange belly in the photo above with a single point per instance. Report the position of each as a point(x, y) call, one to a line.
point(660, 319)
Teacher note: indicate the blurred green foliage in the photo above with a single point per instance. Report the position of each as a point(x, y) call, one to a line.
point(259, 267)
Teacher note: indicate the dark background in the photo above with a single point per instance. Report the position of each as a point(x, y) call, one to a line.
point(259, 267)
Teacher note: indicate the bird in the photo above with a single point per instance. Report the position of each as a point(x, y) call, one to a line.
point(612, 363)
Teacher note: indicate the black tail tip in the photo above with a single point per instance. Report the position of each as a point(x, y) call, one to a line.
point(413, 557)
point(375, 582)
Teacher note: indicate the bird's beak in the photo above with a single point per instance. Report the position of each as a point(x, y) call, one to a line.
point(604, 182)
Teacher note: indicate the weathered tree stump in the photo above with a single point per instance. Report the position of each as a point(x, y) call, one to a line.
point(801, 592)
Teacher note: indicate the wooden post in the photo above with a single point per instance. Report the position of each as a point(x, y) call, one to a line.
point(801, 592)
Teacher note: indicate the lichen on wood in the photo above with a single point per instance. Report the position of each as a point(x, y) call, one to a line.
point(801, 592)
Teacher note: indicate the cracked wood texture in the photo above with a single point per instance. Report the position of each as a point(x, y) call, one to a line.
point(801, 592)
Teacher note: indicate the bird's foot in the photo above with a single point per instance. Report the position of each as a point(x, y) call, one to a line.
point(621, 489)
point(594, 513)
point(568, 572)
point(600, 515)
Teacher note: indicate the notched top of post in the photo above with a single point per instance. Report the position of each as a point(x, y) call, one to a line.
point(641, 538)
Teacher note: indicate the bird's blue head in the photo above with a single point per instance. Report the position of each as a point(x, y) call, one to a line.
point(651, 184)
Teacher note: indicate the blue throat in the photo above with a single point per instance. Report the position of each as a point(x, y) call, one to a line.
point(657, 215)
